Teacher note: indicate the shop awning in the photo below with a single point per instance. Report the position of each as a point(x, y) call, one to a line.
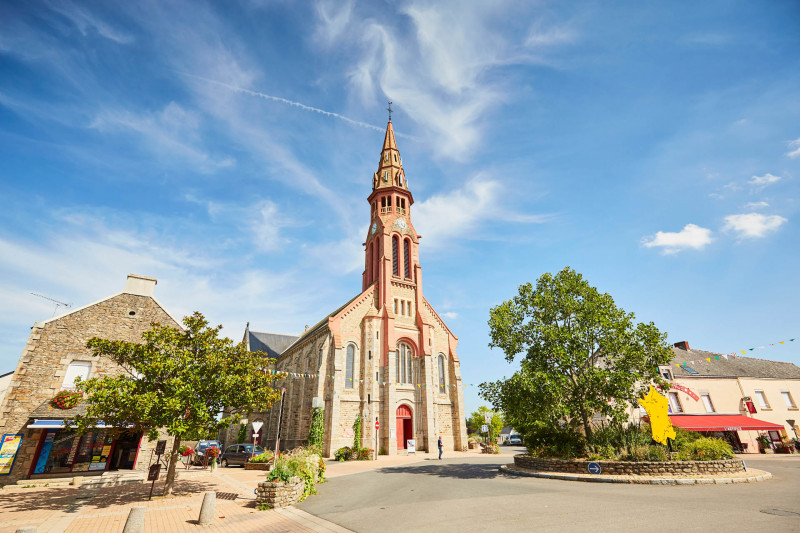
point(721, 423)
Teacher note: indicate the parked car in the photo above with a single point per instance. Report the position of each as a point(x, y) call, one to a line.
point(239, 454)
point(514, 440)
point(200, 449)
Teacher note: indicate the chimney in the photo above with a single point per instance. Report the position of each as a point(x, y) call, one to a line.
point(683, 345)
point(140, 285)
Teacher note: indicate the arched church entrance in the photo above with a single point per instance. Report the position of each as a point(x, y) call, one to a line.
point(405, 426)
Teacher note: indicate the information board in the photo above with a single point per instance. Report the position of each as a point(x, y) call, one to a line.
point(411, 446)
point(8, 452)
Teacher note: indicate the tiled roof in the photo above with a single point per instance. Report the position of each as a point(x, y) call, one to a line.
point(719, 365)
point(271, 343)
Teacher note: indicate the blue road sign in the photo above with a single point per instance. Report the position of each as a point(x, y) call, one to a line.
point(594, 468)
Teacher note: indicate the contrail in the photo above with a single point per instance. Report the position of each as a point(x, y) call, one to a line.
point(289, 102)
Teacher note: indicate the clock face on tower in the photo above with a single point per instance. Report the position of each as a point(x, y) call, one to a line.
point(401, 223)
point(374, 227)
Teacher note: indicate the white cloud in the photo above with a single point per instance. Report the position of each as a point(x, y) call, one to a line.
point(171, 132)
point(756, 205)
point(450, 314)
point(440, 73)
point(84, 20)
point(691, 236)
point(334, 18)
point(266, 227)
point(460, 212)
point(763, 181)
point(794, 147)
point(753, 225)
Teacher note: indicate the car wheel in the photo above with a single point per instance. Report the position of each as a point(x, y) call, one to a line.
point(224, 463)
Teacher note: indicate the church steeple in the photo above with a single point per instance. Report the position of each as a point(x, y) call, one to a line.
point(390, 167)
point(391, 243)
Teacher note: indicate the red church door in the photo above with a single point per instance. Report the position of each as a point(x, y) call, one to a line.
point(405, 428)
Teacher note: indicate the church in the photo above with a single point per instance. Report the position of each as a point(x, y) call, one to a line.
point(385, 354)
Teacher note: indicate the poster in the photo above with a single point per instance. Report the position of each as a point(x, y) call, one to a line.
point(44, 453)
point(8, 452)
point(411, 446)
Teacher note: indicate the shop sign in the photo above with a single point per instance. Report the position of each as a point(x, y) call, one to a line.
point(687, 390)
point(8, 452)
point(155, 470)
point(748, 403)
point(733, 429)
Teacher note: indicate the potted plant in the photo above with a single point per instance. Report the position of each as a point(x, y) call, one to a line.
point(187, 452)
point(259, 462)
point(764, 444)
point(66, 399)
point(212, 453)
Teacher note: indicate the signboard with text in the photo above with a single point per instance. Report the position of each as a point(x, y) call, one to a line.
point(411, 446)
point(8, 452)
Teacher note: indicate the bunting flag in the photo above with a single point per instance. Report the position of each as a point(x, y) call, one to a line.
point(732, 354)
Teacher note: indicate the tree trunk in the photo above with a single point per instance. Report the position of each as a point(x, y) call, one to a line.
point(170, 482)
point(587, 427)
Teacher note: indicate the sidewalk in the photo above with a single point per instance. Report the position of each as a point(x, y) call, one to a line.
point(105, 509)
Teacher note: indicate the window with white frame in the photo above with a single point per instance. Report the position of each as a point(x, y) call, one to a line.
point(674, 403)
point(787, 397)
point(706, 398)
point(762, 399)
point(76, 369)
point(666, 373)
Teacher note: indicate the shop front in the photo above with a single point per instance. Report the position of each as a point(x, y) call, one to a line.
point(739, 430)
point(62, 450)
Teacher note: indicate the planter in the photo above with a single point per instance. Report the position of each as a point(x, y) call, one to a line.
point(473, 445)
point(278, 494)
point(258, 466)
point(620, 468)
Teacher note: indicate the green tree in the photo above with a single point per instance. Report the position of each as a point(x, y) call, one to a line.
point(179, 380)
point(580, 355)
point(478, 418)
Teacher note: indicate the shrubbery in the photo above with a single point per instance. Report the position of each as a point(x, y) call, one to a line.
point(347, 453)
point(304, 463)
point(262, 458)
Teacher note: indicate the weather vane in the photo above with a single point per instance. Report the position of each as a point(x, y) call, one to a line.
point(389, 109)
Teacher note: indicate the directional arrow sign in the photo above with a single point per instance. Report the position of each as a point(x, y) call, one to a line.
point(594, 468)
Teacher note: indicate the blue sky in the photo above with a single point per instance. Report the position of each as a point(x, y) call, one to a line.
point(228, 150)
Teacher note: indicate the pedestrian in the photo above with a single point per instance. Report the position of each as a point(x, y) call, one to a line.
point(441, 447)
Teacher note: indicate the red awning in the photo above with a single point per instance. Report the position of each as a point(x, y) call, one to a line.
point(721, 423)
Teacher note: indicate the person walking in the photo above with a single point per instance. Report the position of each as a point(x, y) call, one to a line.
point(441, 447)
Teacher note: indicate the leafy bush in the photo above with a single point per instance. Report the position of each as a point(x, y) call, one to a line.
point(706, 449)
point(492, 447)
point(561, 442)
point(344, 453)
point(242, 435)
point(300, 462)
point(262, 458)
point(364, 454)
point(652, 452)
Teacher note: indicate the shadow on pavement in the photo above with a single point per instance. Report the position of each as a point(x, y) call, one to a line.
point(447, 470)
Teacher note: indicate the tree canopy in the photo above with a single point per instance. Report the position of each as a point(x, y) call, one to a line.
point(580, 355)
point(477, 419)
point(179, 380)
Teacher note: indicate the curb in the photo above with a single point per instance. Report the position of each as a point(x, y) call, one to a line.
point(506, 469)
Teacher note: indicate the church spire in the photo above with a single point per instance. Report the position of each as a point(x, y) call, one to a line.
point(390, 167)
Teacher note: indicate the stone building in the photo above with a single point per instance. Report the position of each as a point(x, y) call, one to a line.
point(53, 357)
point(386, 354)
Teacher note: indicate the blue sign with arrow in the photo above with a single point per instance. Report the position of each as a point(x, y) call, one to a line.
point(594, 468)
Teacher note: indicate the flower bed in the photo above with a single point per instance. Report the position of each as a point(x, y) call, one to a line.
point(627, 468)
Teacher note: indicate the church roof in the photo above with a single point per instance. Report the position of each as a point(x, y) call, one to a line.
point(390, 167)
point(272, 343)
point(324, 322)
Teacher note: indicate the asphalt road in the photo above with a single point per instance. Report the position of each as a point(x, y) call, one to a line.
point(470, 494)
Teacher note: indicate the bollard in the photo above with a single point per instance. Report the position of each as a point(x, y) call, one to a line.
point(207, 509)
point(135, 521)
point(26, 529)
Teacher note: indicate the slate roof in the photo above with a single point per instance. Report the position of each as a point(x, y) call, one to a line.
point(271, 343)
point(48, 412)
point(737, 367)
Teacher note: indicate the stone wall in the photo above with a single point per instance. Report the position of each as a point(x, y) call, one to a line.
point(278, 494)
point(620, 468)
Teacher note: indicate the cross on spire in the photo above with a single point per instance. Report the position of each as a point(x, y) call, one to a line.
point(389, 109)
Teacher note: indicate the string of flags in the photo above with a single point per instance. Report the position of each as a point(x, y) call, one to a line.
point(732, 355)
point(303, 375)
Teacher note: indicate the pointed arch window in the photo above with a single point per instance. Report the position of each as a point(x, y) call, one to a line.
point(404, 374)
point(370, 260)
point(395, 246)
point(407, 257)
point(349, 366)
point(442, 383)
